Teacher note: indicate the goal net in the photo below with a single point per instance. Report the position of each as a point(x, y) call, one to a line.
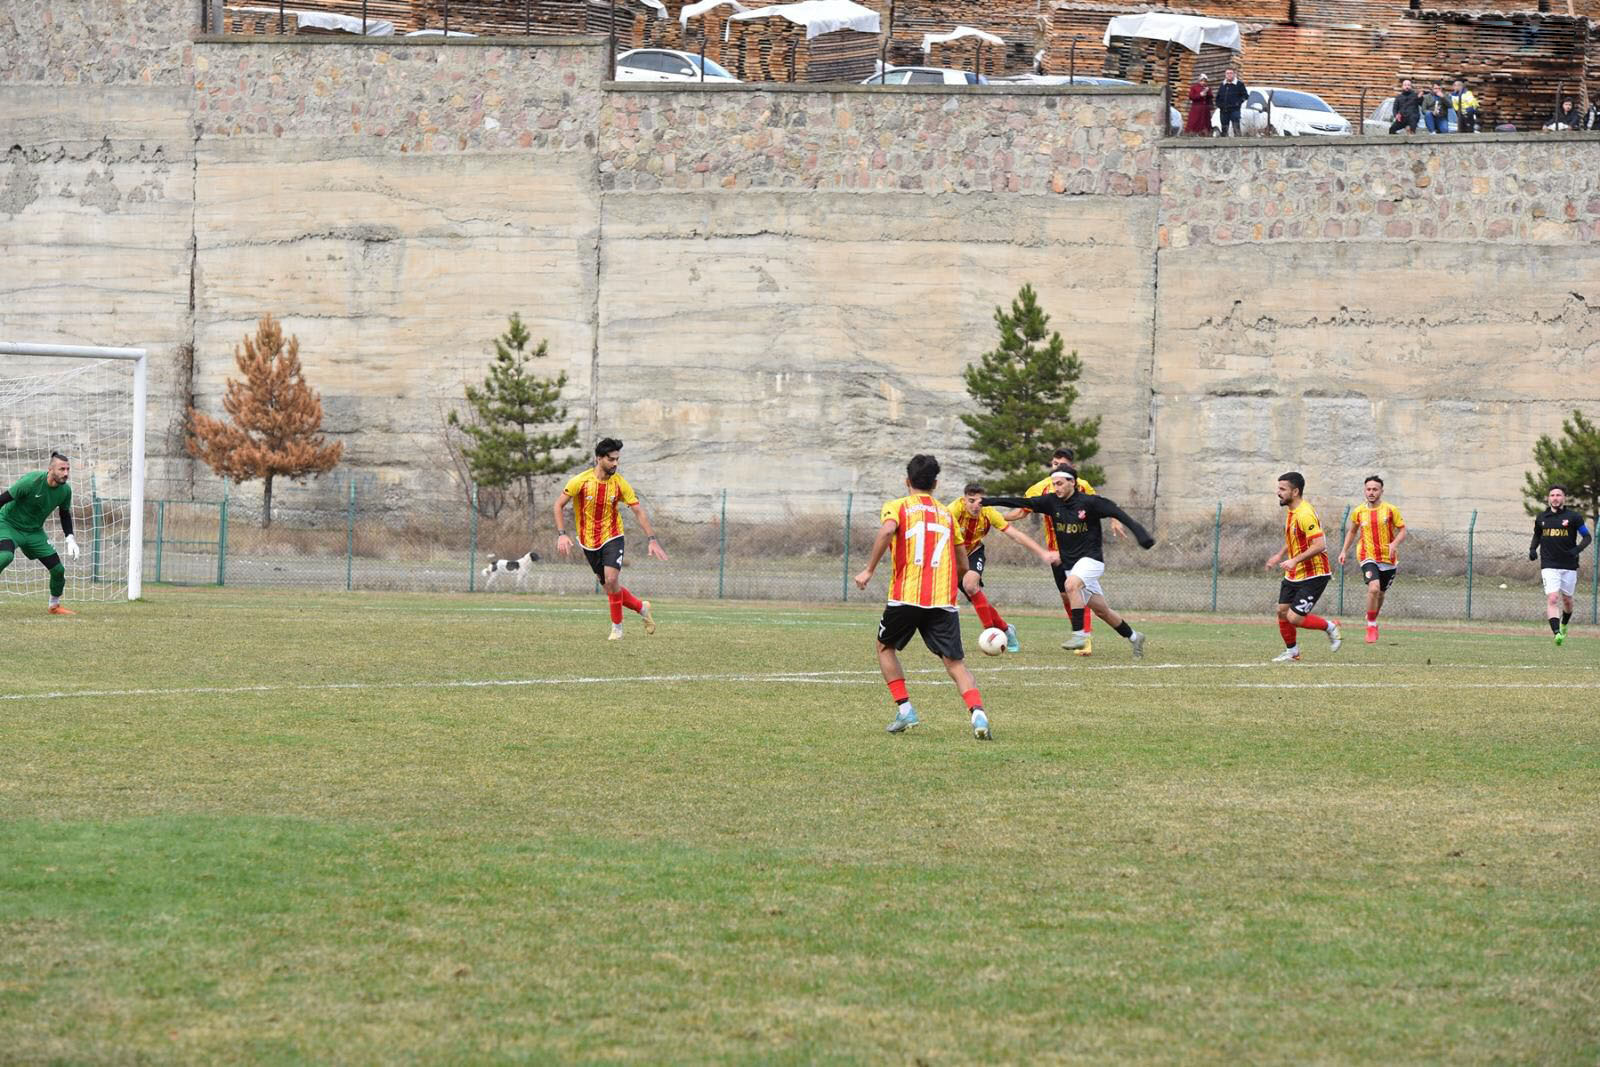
point(88, 405)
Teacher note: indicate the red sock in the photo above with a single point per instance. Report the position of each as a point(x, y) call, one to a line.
point(615, 600)
point(1286, 628)
point(628, 600)
point(1088, 619)
point(1314, 622)
point(1372, 618)
point(972, 698)
point(986, 613)
point(897, 690)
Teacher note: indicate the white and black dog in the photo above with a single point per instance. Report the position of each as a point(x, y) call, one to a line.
point(519, 567)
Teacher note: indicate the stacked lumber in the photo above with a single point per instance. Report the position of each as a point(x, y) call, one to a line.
point(402, 13)
point(775, 50)
point(1019, 23)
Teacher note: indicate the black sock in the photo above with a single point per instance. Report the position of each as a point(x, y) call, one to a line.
point(1124, 629)
point(1555, 625)
point(1566, 617)
point(1076, 615)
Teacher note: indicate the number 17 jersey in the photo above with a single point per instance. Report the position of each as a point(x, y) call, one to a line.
point(924, 552)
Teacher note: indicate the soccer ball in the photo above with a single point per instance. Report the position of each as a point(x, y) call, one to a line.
point(992, 642)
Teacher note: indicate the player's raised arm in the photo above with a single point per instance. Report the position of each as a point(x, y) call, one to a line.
point(652, 547)
point(1044, 505)
point(1107, 508)
point(880, 545)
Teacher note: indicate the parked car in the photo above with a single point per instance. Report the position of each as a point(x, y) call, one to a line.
point(1173, 118)
point(1382, 118)
point(667, 65)
point(926, 76)
point(1294, 113)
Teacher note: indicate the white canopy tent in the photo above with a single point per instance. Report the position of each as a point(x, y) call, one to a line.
point(700, 7)
point(817, 16)
point(931, 39)
point(1188, 31)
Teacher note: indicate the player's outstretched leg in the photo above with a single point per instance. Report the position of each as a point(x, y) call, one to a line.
point(968, 686)
point(1102, 607)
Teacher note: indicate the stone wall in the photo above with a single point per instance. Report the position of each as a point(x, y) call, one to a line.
point(1425, 308)
point(800, 277)
point(734, 277)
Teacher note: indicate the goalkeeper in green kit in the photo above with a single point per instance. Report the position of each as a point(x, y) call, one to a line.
point(23, 509)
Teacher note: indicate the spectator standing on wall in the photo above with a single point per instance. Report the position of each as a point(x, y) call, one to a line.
point(1231, 95)
point(1198, 123)
point(1436, 109)
point(1567, 117)
point(1407, 108)
point(1465, 106)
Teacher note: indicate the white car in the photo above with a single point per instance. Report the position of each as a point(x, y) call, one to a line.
point(926, 76)
point(1293, 113)
point(667, 65)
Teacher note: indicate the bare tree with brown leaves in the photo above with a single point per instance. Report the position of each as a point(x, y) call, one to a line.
point(275, 419)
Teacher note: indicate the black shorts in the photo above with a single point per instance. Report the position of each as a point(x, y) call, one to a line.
point(607, 555)
point(940, 629)
point(1382, 575)
point(1302, 596)
point(975, 561)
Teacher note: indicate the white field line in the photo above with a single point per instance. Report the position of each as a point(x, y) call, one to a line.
point(838, 677)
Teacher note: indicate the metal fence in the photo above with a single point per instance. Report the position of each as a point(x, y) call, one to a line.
point(761, 544)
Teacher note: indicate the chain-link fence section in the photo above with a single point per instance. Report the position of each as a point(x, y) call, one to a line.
point(768, 545)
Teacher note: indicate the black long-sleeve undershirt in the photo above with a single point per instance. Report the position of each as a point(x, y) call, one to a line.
point(1553, 534)
point(1076, 520)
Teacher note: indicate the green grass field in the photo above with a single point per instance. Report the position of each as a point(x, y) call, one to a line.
point(361, 828)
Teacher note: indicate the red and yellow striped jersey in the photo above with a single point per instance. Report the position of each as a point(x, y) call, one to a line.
point(924, 552)
point(1040, 488)
point(1300, 528)
point(973, 526)
point(594, 506)
point(1378, 526)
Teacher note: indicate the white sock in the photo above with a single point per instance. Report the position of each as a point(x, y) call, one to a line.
point(1295, 648)
point(55, 602)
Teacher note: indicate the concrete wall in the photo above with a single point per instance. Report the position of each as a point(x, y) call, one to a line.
point(1425, 308)
point(766, 284)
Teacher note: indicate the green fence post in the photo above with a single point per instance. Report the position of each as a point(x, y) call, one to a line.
point(472, 550)
point(1216, 554)
point(1344, 524)
point(1594, 576)
point(222, 536)
point(350, 537)
point(1472, 526)
point(98, 520)
point(722, 548)
point(849, 503)
point(161, 533)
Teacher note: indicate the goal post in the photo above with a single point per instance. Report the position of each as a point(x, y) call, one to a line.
point(45, 378)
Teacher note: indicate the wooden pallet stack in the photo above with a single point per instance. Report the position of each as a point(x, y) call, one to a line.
point(1020, 23)
point(775, 50)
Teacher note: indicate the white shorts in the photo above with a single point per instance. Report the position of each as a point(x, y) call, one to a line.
point(1563, 582)
point(1088, 571)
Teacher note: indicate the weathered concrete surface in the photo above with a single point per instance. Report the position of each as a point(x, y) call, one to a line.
point(1304, 322)
point(825, 334)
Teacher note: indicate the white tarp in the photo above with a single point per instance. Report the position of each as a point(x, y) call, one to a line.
point(326, 20)
point(931, 39)
point(702, 6)
point(1190, 31)
point(817, 16)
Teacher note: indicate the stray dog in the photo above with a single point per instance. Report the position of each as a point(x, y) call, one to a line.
point(519, 567)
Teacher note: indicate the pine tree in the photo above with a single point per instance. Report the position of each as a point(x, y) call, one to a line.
point(1573, 462)
point(275, 419)
point(1025, 392)
point(505, 443)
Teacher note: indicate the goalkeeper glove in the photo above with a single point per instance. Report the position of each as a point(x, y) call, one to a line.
point(72, 547)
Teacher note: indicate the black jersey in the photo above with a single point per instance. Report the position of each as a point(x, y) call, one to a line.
point(1558, 538)
point(1077, 521)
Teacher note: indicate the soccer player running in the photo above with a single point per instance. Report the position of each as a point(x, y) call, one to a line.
point(1076, 517)
point(1381, 529)
point(1559, 538)
point(973, 522)
point(1061, 458)
point(928, 563)
point(1304, 562)
point(594, 495)
point(23, 509)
